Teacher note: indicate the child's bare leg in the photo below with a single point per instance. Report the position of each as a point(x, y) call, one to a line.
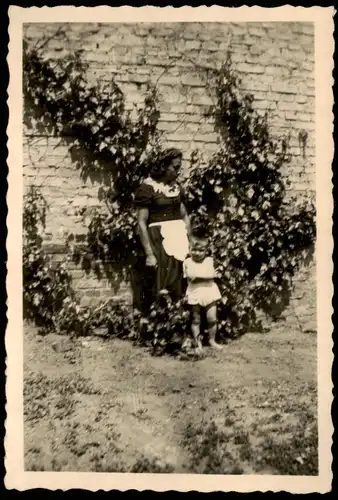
point(211, 313)
point(196, 326)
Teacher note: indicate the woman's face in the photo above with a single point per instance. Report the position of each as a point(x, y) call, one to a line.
point(173, 170)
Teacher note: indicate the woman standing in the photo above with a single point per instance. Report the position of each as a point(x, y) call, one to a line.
point(163, 231)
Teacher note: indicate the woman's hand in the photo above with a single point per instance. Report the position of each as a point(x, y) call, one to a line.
point(151, 261)
point(185, 217)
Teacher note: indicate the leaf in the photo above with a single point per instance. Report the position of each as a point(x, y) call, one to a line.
point(36, 299)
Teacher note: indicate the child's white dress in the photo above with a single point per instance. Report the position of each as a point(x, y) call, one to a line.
point(202, 293)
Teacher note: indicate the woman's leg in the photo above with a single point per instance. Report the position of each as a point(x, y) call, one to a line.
point(149, 293)
point(136, 284)
point(169, 270)
point(196, 326)
point(211, 314)
point(143, 281)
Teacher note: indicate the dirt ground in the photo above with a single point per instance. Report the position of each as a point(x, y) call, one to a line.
point(110, 406)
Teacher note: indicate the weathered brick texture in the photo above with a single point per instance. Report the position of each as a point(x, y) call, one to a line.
point(275, 61)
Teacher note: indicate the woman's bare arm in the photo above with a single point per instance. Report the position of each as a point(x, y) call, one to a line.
point(142, 221)
point(185, 216)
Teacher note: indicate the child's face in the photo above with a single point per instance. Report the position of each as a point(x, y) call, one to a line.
point(198, 249)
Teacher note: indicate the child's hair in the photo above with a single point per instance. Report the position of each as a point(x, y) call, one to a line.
point(200, 228)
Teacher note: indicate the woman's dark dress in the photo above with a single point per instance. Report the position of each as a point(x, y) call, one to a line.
point(147, 282)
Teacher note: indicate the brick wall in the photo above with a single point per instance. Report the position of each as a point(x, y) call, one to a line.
point(275, 61)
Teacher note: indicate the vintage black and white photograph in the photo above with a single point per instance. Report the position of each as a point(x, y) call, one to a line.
point(169, 233)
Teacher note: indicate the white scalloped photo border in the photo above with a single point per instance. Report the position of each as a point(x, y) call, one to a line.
point(16, 476)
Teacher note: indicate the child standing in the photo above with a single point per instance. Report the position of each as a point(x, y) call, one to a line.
point(202, 291)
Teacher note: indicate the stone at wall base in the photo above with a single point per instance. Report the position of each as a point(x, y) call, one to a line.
point(63, 345)
point(100, 332)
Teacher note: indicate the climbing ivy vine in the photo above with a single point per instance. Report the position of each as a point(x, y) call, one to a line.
point(258, 239)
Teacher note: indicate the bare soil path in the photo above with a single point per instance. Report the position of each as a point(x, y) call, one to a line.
point(107, 405)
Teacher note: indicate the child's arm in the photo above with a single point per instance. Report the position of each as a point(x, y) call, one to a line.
point(208, 271)
point(186, 273)
point(212, 268)
point(188, 270)
point(205, 272)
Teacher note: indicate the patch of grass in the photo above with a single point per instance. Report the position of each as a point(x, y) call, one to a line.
point(35, 450)
point(33, 460)
point(208, 448)
point(141, 465)
point(64, 407)
point(70, 439)
point(46, 397)
point(241, 438)
point(74, 383)
point(79, 441)
point(36, 467)
point(153, 466)
point(101, 461)
point(237, 469)
point(74, 441)
point(246, 452)
point(56, 465)
point(35, 389)
point(229, 421)
point(212, 451)
point(297, 456)
point(112, 466)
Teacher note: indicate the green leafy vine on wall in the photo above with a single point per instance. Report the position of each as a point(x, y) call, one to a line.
point(260, 236)
point(107, 145)
point(49, 299)
point(259, 239)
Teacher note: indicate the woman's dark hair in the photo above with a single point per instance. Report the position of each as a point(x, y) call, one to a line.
point(160, 167)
